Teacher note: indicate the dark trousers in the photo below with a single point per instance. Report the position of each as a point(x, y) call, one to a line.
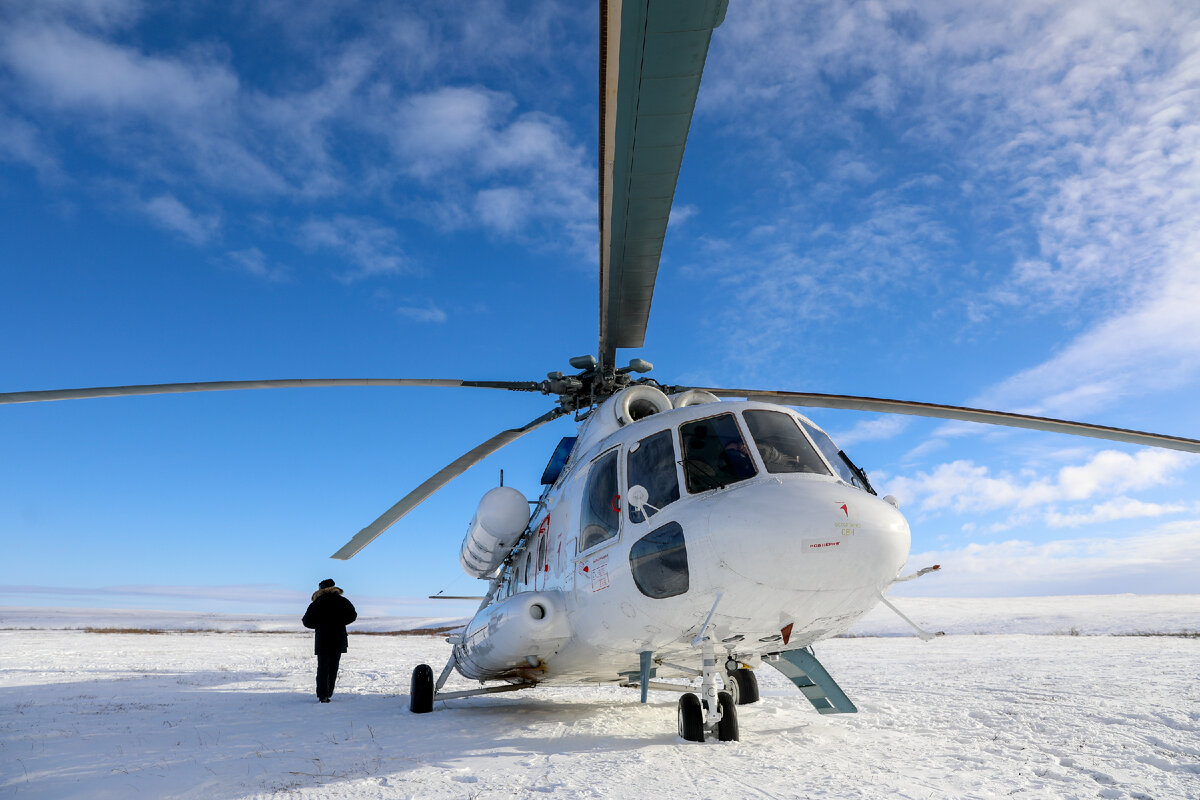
point(327, 668)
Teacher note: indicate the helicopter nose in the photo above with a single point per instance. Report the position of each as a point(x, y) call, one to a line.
point(800, 534)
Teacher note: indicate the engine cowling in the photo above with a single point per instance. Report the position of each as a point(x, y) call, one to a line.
point(499, 521)
point(639, 402)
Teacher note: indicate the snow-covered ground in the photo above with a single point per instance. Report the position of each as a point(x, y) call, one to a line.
point(1009, 712)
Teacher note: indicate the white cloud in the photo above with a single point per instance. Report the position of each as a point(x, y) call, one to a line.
point(102, 14)
point(168, 212)
point(254, 262)
point(20, 142)
point(70, 69)
point(426, 313)
point(1118, 508)
point(341, 117)
point(372, 248)
point(681, 213)
point(871, 430)
point(502, 209)
point(966, 487)
point(509, 174)
point(1165, 560)
point(168, 118)
point(1150, 348)
point(437, 130)
point(1066, 130)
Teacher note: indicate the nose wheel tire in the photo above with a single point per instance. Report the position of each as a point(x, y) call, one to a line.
point(420, 699)
point(743, 685)
point(727, 728)
point(691, 718)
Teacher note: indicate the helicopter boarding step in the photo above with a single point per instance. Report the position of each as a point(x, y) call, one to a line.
point(802, 668)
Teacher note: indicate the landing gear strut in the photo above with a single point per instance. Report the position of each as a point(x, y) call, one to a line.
point(714, 716)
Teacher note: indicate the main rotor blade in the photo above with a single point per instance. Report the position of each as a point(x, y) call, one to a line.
point(221, 386)
point(805, 399)
point(444, 476)
point(652, 55)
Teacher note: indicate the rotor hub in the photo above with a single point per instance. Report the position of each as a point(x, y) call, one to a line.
point(595, 382)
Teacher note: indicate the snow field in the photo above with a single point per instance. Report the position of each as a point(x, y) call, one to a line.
point(86, 715)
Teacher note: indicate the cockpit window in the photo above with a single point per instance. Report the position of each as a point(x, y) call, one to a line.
point(601, 515)
point(781, 443)
point(651, 464)
point(714, 453)
point(842, 465)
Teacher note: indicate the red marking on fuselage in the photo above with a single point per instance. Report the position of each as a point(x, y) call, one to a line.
point(843, 507)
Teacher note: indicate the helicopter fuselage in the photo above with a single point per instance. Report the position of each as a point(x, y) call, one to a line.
point(770, 554)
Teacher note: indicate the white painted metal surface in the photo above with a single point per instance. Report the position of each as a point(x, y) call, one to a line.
point(795, 557)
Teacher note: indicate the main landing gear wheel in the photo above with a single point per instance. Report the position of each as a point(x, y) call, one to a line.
point(742, 683)
point(727, 728)
point(420, 699)
point(691, 718)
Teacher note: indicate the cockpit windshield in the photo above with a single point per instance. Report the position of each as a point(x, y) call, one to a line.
point(846, 469)
point(781, 444)
point(714, 453)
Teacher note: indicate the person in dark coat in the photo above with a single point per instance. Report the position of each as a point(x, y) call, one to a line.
point(328, 614)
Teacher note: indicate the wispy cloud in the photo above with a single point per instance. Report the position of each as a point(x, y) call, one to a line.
point(1061, 133)
point(255, 263)
point(870, 430)
point(500, 169)
point(168, 212)
point(682, 212)
point(371, 248)
point(364, 116)
point(963, 486)
point(1118, 508)
point(426, 313)
point(1160, 561)
point(20, 143)
point(73, 70)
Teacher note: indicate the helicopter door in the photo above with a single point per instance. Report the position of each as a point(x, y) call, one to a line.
point(600, 519)
point(658, 556)
point(599, 524)
point(652, 465)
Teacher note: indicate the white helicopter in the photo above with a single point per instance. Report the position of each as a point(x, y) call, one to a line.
point(678, 533)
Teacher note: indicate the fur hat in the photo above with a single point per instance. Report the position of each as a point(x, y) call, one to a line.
point(325, 584)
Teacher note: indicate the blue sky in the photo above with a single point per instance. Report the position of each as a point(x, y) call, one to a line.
point(991, 206)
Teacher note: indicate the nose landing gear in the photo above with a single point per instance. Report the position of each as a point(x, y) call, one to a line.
point(691, 718)
point(715, 716)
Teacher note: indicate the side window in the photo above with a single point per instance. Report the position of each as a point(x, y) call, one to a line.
point(541, 562)
point(714, 453)
point(651, 464)
point(528, 566)
point(601, 514)
point(781, 443)
point(659, 562)
point(841, 464)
